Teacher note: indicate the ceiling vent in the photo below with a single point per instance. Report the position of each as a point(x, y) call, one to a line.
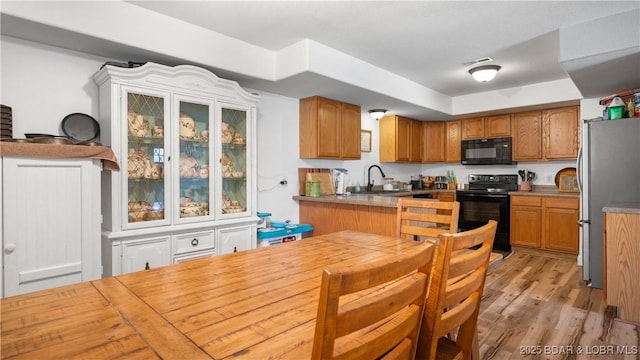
point(478, 61)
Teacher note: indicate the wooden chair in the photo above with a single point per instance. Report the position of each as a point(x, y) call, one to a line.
point(455, 292)
point(373, 310)
point(423, 219)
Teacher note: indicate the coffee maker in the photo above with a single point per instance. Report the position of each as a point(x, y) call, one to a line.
point(340, 180)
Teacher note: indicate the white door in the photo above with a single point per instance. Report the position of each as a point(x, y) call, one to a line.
point(51, 223)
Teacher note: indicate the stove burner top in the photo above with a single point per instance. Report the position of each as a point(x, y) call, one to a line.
point(492, 183)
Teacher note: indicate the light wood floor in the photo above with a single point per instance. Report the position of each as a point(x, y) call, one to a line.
point(534, 307)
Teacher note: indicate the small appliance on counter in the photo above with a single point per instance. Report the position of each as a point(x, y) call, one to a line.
point(278, 232)
point(340, 180)
point(416, 182)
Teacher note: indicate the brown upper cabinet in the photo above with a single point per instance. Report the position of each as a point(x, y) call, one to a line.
point(486, 127)
point(527, 136)
point(329, 129)
point(400, 139)
point(560, 133)
point(546, 135)
point(452, 141)
point(433, 141)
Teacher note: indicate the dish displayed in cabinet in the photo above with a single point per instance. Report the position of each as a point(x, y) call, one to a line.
point(189, 207)
point(228, 170)
point(231, 206)
point(138, 125)
point(143, 211)
point(140, 166)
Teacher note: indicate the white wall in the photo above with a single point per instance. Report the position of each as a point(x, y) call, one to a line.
point(43, 84)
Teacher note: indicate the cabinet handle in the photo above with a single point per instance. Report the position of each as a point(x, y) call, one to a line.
point(194, 242)
point(9, 248)
point(146, 266)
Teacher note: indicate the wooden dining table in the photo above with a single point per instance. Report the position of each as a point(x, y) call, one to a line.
point(255, 304)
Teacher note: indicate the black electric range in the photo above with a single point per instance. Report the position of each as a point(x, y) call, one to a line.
point(487, 199)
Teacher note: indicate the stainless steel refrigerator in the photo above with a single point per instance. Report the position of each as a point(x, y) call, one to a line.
point(608, 170)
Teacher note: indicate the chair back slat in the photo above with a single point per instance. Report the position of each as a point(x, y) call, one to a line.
point(369, 309)
point(423, 219)
point(402, 351)
point(465, 262)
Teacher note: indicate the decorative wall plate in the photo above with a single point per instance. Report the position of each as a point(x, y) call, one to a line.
point(567, 180)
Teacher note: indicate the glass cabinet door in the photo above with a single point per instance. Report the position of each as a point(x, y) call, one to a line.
point(146, 184)
point(194, 160)
point(234, 160)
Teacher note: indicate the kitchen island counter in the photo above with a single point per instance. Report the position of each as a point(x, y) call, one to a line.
point(370, 213)
point(622, 208)
point(380, 199)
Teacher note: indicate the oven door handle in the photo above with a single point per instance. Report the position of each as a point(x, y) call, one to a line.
point(459, 195)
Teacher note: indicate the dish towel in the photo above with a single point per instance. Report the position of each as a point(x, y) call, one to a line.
point(109, 160)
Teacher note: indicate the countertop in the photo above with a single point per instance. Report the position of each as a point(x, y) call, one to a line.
point(386, 199)
point(622, 207)
point(390, 198)
point(554, 193)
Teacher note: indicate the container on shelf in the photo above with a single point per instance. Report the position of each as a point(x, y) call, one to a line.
point(615, 112)
point(312, 188)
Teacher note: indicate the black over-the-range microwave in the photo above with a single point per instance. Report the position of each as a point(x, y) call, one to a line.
point(496, 151)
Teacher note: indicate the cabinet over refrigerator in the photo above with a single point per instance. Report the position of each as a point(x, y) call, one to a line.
point(608, 170)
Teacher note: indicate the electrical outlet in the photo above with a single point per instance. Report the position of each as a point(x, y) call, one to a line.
point(549, 178)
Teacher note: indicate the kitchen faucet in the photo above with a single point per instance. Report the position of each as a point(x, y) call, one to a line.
point(369, 182)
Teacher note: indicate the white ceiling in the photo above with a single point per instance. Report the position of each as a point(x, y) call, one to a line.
point(426, 42)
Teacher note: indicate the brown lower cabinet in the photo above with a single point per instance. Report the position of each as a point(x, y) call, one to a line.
point(545, 222)
point(621, 266)
point(331, 217)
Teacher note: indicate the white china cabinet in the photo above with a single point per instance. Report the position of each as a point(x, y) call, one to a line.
point(49, 223)
point(186, 142)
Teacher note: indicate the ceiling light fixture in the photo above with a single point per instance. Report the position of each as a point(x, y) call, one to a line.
point(377, 113)
point(484, 73)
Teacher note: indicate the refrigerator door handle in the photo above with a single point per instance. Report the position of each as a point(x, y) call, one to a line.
point(581, 222)
point(579, 166)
